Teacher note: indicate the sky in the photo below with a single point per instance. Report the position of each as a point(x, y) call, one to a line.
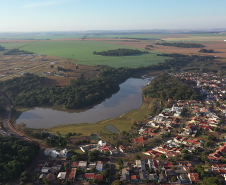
point(79, 15)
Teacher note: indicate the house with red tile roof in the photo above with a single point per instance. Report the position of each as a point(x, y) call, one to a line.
point(72, 174)
point(193, 177)
point(140, 140)
point(135, 178)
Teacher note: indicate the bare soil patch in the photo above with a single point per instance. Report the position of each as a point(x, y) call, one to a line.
point(80, 138)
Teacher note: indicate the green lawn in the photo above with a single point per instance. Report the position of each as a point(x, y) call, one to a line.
point(140, 115)
point(83, 51)
point(86, 129)
point(12, 45)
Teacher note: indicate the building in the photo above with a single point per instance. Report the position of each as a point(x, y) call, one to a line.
point(72, 174)
point(61, 175)
point(55, 152)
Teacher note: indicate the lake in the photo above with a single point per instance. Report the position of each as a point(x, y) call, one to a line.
point(128, 97)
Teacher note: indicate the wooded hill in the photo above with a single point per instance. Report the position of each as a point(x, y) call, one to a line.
point(120, 52)
point(180, 44)
point(2, 104)
point(167, 86)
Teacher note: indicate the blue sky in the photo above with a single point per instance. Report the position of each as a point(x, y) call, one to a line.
point(77, 15)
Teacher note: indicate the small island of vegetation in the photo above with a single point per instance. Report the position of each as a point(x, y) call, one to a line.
point(206, 50)
point(17, 52)
point(120, 52)
point(148, 47)
point(180, 44)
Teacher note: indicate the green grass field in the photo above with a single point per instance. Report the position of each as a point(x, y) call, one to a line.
point(83, 52)
point(12, 45)
point(86, 129)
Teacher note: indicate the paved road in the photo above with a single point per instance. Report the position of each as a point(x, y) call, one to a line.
point(112, 173)
point(5, 119)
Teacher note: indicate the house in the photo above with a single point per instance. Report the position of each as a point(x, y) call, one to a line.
point(152, 153)
point(122, 148)
point(140, 165)
point(102, 143)
point(162, 178)
point(50, 177)
point(125, 178)
point(170, 174)
point(75, 164)
point(184, 178)
point(153, 177)
point(42, 176)
point(140, 140)
point(61, 175)
point(100, 166)
point(89, 175)
point(84, 148)
point(72, 174)
point(193, 177)
point(46, 170)
point(144, 176)
point(82, 164)
point(55, 152)
point(135, 178)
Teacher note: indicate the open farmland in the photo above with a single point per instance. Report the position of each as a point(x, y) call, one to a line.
point(12, 45)
point(83, 52)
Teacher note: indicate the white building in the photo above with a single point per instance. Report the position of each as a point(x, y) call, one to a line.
point(55, 152)
point(102, 143)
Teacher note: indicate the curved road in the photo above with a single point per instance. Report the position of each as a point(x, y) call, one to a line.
point(6, 116)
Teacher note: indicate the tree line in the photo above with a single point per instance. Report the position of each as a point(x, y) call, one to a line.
point(2, 48)
point(2, 104)
point(206, 50)
point(167, 86)
point(15, 155)
point(120, 52)
point(180, 44)
point(17, 52)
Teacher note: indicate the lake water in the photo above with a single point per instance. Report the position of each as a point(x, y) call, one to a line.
point(128, 97)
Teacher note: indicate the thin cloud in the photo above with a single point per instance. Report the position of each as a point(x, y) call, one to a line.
point(49, 3)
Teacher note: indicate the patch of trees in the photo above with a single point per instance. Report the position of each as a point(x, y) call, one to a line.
point(2, 48)
point(55, 141)
point(2, 104)
point(148, 47)
point(206, 50)
point(120, 52)
point(15, 155)
point(62, 69)
point(180, 44)
point(17, 52)
point(167, 86)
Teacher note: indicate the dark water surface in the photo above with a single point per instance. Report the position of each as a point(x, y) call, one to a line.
point(128, 97)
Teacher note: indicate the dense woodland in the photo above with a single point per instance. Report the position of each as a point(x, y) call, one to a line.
point(2, 48)
point(181, 44)
point(206, 50)
point(30, 90)
point(167, 86)
point(17, 52)
point(120, 52)
point(15, 155)
point(2, 104)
